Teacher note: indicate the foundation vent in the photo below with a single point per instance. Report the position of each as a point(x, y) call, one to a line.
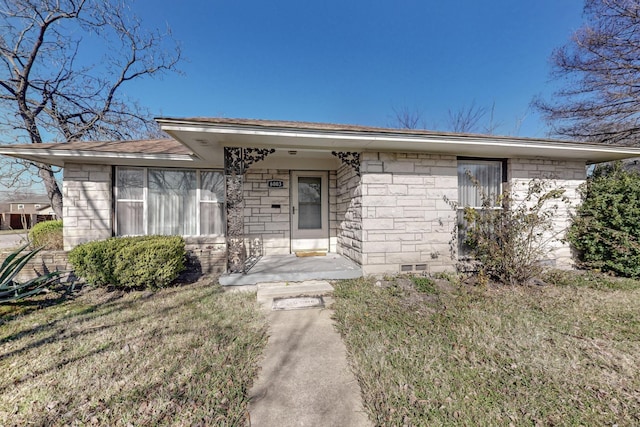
point(405, 268)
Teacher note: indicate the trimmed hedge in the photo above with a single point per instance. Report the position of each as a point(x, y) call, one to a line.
point(130, 262)
point(606, 228)
point(47, 234)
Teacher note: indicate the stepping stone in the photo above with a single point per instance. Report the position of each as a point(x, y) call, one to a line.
point(268, 293)
point(297, 303)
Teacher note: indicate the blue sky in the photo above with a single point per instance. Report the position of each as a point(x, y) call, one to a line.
point(355, 61)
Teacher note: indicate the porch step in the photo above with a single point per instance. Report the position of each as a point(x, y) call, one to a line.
point(290, 268)
point(267, 292)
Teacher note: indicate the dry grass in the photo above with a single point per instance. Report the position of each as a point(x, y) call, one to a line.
point(179, 356)
point(547, 355)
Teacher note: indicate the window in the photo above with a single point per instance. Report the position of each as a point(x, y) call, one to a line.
point(37, 206)
point(475, 179)
point(20, 206)
point(185, 202)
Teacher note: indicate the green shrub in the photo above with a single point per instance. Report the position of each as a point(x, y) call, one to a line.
point(606, 228)
point(47, 235)
point(130, 262)
point(152, 264)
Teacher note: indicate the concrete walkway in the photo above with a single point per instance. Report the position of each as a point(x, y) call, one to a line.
point(305, 379)
point(12, 241)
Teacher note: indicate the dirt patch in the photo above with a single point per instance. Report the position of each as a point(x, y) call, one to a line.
point(411, 297)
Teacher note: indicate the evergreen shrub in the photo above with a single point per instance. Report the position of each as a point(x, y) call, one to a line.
point(130, 262)
point(606, 228)
point(47, 235)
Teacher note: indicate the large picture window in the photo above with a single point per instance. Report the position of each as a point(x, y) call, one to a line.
point(475, 179)
point(185, 202)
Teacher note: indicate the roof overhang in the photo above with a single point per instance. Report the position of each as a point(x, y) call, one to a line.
point(203, 135)
point(59, 158)
point(199, 143)
point(153, 152)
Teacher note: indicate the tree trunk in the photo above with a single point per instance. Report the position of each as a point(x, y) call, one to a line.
point(52, 188)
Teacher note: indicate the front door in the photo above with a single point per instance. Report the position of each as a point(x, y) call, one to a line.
point(309, 212)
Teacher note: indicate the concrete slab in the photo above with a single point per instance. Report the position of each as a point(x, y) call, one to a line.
point(12, 241)
point(268, 291)
point(305, 379)
point(290, 268)
point(297, 303)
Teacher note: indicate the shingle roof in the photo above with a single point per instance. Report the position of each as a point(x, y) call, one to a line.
point(147, 146)
point(334, 127)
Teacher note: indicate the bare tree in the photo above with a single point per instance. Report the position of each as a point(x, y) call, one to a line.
point(406, 118)
point(600, 71)
point(465, 120)
point(472, 119)
point(55, 86)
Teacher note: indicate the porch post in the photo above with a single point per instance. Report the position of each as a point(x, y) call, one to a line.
point(236, 161)
point(234, 175)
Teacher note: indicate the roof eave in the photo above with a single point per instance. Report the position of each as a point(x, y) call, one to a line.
point(60, 157)
point(468, 145)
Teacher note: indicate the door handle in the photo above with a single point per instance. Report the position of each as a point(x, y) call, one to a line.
point(294, 210)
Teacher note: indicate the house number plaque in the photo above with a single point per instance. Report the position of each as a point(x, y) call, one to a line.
point(275, 183)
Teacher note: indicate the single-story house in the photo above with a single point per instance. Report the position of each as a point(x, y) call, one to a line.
point(240, 188)
point(18, 214)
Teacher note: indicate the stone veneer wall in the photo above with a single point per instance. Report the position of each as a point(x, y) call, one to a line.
point(349, 214)
point(206, 255)
point(333, 211)
point(274, 224)
point(87, 210)
point(407, 224)
point(260, 218)
point(41, 263)
point(566, 174)
point(88, 215)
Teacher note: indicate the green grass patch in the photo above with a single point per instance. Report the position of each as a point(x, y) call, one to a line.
point(179, 356)
point(539, 355)
point(591, 279)
point(425, 284)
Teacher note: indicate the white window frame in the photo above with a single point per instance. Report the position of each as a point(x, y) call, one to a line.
point(145, 197)
point(462, 253)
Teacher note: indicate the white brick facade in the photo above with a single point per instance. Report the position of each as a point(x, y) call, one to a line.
point(260, 216)
point(267, 210)
point(349, 214)
point(406, 222)
point(87, 210)
point(568, 175)
point(392, 217)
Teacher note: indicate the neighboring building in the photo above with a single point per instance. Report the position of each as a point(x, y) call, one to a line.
point(18, 214)
point(380, 197)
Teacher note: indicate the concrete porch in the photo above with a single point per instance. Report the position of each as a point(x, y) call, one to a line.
point(290, 268)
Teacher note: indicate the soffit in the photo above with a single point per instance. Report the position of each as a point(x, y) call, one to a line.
point(207, 137)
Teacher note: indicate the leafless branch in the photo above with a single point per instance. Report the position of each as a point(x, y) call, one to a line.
point(406, 118)
point(600, 71)
point(49, 88)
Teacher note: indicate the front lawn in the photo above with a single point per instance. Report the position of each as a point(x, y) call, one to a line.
point(449, 354)
point(179, 356)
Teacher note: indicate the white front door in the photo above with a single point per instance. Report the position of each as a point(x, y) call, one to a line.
point(309, 211)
